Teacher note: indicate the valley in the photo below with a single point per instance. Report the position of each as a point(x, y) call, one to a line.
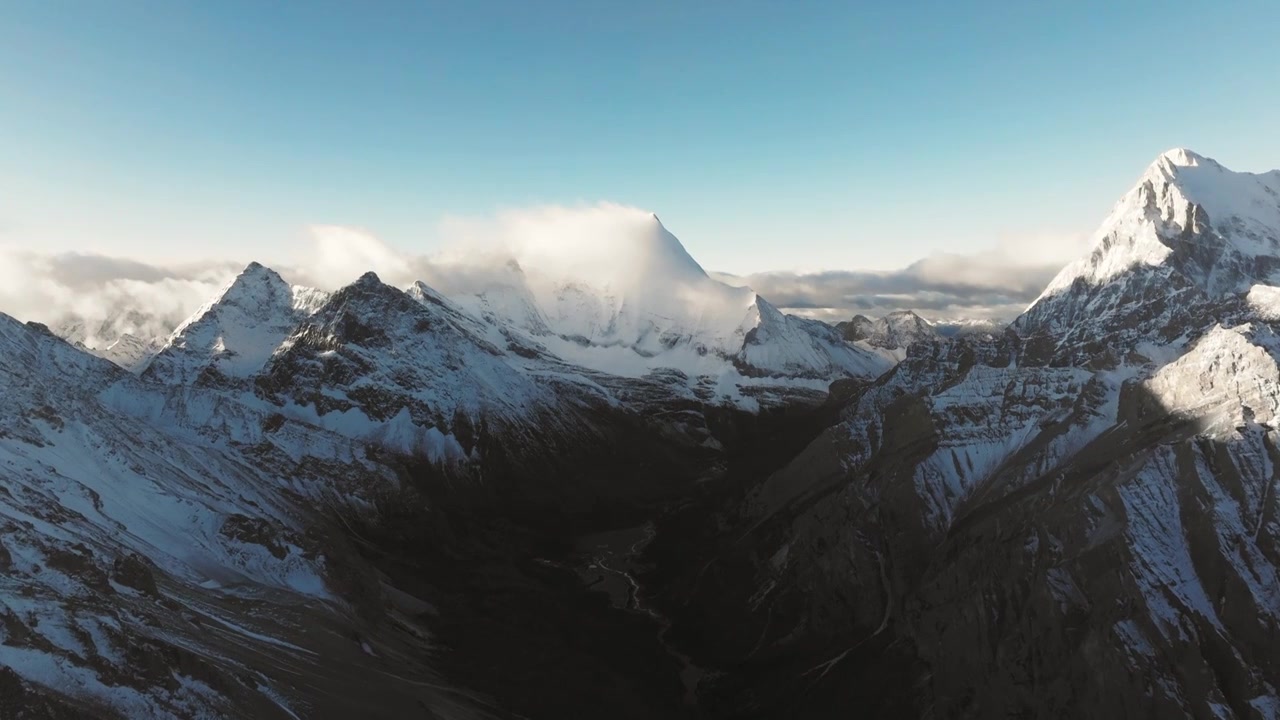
point(623, 489)
point(567, 616)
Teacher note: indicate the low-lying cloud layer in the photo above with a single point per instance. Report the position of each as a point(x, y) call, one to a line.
point(104, 296)
point(995, 284)
point(95, 298)
point(936, 288)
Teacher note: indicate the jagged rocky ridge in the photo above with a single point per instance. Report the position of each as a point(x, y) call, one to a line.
point(167, 551)
point(177, 541)
point(895, 331)
point(1076, 519)
point(279, 515)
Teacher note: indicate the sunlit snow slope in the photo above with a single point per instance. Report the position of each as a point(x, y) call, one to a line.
point(1078, 518)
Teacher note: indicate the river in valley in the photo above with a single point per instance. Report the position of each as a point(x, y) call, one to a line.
point(610, 562)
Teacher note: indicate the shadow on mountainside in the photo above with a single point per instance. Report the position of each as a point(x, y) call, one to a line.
point(1052, 591)
point(512, 618)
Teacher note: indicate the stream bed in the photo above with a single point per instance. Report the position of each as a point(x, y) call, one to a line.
point(610, 562)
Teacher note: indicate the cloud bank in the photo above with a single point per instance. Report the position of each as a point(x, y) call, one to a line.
point(995, 284)
point(96, 298)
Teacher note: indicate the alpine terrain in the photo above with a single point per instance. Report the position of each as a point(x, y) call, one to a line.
point(591, 481)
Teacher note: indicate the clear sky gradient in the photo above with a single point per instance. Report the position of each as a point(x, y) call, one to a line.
point(767, 135)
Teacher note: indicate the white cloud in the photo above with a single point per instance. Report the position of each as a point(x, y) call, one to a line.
point(100, 292)
point(342, 254)
point(992, 284)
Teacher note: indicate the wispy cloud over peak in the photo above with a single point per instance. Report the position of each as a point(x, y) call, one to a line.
point(105, 296)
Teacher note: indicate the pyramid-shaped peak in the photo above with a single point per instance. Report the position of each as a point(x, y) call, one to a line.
point(256, 270)
point(255, 283)
point(235, 332)
point(370, 294)
point(1189, 217)
point(602, 245)
point(258, 292)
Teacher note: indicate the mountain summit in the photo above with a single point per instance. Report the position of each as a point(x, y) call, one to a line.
point(610, 289)
point(895, 331)
point(1076, 518)
point(1219, 228)
point(564, 478)
point(234, 334)
point(1190, 234)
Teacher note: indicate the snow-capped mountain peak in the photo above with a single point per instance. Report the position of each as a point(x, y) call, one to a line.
point(896, 330)
point(256, 284)
point(1190, 235)
point(1245, 205)
point(614, 247)
point(610, 289)
point(406, 370)
point(1219, 228)
point(615, 277)
point(235, 333)
point(1182, 157)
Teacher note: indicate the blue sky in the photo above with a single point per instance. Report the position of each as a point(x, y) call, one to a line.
point(767, 135)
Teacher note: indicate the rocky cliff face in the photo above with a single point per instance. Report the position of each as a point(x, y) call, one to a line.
point(895, 331)
point(309, 503)
point(173, 553)
point(1078, 518)
point(226, 531)
point(1184, 246)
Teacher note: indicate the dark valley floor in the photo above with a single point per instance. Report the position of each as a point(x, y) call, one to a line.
point(646, 494)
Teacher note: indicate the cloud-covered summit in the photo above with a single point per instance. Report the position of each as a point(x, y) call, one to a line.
point(105, 297)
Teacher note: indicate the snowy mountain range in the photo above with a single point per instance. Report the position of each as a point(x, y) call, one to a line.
point(289, 505)
point(1084, 508)
point(627, 302)
point(183, 505)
